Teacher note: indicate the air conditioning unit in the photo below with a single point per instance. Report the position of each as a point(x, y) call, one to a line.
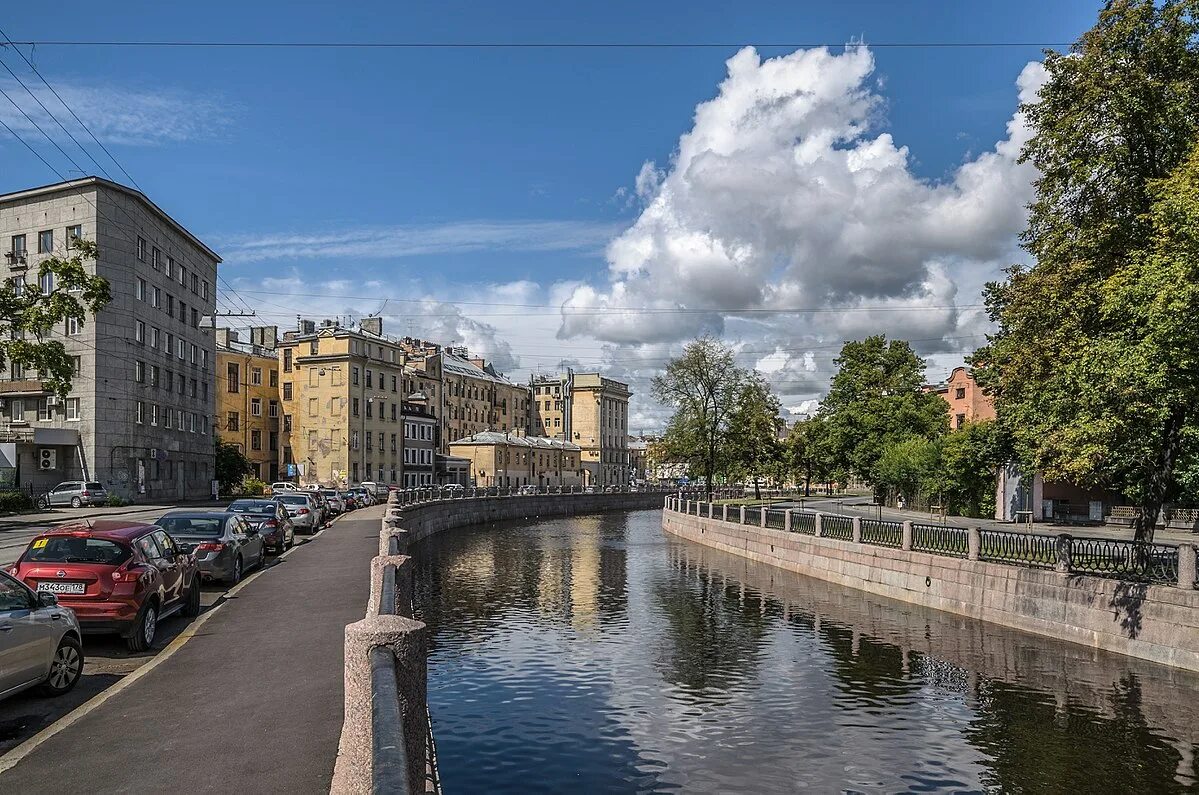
point(54, 400)
point(47, 458)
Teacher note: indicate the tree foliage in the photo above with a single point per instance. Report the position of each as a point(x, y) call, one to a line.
point(1093, 368)
point(876, 401)
point(807, 452)
point(752, 445)
point(231, 465)
point(29, 313)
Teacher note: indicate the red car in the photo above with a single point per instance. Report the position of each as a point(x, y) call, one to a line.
point(117, 576)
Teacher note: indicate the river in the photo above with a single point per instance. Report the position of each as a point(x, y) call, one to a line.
point(598, 654)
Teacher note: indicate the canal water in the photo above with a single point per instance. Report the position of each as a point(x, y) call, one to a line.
point(597, 654)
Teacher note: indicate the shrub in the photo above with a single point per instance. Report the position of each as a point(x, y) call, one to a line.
point(253, 487)
point(13, 501)
point(116, 501)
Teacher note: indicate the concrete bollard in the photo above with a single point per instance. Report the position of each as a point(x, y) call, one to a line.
point(742, 519)
point(711, 510)
point(857, 530)
point(1062, 551)
point(787, 520)
point(724, 513)
point(1187, 564)
point(819, 525)
point(906, 543)
point(974, 543)
point(762, 517)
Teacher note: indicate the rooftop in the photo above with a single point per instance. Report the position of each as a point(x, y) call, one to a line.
point(499, 437)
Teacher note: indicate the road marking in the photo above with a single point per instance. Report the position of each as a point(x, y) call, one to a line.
point(13, 757)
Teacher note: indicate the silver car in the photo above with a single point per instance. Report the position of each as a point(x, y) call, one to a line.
point(333, 497)
point(303, 509)
point(75, 493)
point(224, 543)
point(39, 641)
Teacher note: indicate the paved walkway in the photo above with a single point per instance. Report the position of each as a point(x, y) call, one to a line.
point(864, 507)
point(54, 516)
point(252, 703)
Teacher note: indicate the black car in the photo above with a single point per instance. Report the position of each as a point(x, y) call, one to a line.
point(225, 544)
point(271, 519)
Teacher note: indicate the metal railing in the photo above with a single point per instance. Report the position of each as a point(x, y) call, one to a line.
point(840, 527)
point(1126, 560)
point(776, 519)
point(1022, 548)
point(941, 539)
point(389, 756)
point(804, 523)
point(882, 533)
point(753, 516)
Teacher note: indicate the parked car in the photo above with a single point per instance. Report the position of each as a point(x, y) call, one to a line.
point(333, 498)
point(528, 488)
point(117, 576)
point(351, 500)
point(376, 490)
point(75, 493)
point(283, 485)
point(324, 514)
point(40, 642)
point(364, 497)
point(225, 544)
point(301, 509)
point(455, 489)
point(271, 520)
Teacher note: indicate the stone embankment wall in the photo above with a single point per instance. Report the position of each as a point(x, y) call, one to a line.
point(388, 622)
point(1152, 622)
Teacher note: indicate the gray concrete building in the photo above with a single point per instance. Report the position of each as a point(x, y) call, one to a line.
point(139, 413)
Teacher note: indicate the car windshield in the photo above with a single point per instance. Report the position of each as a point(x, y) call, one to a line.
point(74, 549)
point(193, 525)
point(330, 493)
point(294, 499)
point(252, 507)
point(93, 486)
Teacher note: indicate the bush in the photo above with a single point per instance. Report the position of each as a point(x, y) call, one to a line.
point(13, 501)
point(116, 501)
point(253, 487)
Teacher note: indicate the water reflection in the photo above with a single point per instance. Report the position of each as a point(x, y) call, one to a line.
point(596, 653)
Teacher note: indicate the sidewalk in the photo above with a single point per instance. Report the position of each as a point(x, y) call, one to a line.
point(865, 508)
point(252, 703)
point(60, 515)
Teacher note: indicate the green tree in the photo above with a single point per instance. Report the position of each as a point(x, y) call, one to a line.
point(876, 401)
point(231, 465)
point(807, 452)
point(910, 467)
point(1094, 368)
point(753, 432)
point(969, 457)
point(29, 314)
point(701, 386)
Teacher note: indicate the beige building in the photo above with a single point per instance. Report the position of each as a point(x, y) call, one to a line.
point(592, 412)
point(966, 401)
point(247, 399)
point(505, 459)
point(341, 396)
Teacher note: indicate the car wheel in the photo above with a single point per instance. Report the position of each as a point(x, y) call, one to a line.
point(65, 668)
point(43, 502)
point(193, 599)
point(235, 577)
point(147, 627)
point(76, 502)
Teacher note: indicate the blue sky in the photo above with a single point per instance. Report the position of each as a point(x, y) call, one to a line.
point(333, 179)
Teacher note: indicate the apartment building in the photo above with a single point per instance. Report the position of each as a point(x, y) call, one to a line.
point(137, 418)
point(420, 442)
point(966, 400)
point(506, 459)
point(592, 412)
point(247, 398)
point(341, 391)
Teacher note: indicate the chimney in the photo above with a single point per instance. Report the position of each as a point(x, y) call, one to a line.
point(479, 362)
point(307, 327)
point(372, 325)
point(265, 337)
point(224, 336)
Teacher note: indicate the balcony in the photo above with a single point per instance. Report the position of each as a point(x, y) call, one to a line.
point(23, 388)
point(17, 260)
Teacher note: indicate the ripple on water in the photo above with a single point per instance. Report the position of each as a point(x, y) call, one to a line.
point(596, 654)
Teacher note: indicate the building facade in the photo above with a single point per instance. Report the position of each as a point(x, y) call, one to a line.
point(138, 415)
point(505, 459)
point(247, 402)
point(420, 443)
point(966, 400)
point(590, 411)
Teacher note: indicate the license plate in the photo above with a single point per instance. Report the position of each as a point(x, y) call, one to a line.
point(62, 587)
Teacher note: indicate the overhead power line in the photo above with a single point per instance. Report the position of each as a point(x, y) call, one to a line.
point(530, 45)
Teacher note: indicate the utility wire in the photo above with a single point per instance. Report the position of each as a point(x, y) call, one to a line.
point(529, 45)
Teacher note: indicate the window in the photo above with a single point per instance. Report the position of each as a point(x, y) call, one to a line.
point(157, 302)
point(166, 418)
point(154, 414)
point(393, 412)
point(274, 377)
point(393, 383)
point(193, 387)
point(154, 375)
point(141, 249)
point(287, 390)
point(959, 420)
point(196, 283)
point(139, 372)
point(204, 360)
point(139, 414)
point(153, 337)
point(195, 318)
point(139, 331)
point(141, 289)
point(76, 365)
point(193, 353)
point(170, 343)
point(18, 285)
point(273, 408)
point(45, 242)
point(287, 360)
point(181, 349)
point(46, 281)
point(44, 410)
point(393, 443)
point(312, 407)
point(287, 422)
point(18, 244)
point(182, 276)
point(16, 408)
point(314, 347)
point(74, 233)
point(354, 407)
point(170, 267)
point(233, 423)
point(204, 388)
point(274, 440)
point(170, 305)
point(354, 376)
point(369, 383)
point(959, 393)
point(369, 409)
point(256, 376)
point(255, 440)
point(182, 312)
point(156, 259)
point(255, 407)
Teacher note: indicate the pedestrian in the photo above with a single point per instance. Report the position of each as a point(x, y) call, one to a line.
point(901, 502)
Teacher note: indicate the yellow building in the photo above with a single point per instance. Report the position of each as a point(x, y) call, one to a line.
point(592, 412)
point(341, 392)
point(247, 402)
point(505, 459)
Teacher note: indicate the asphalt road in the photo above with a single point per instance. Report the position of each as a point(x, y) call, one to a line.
point(253, 700)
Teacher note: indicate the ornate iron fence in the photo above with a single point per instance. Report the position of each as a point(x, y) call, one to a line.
point(941, 539)
point(836, 527)
point(1023, 548)
point(753, 516)
point(1126, 560)
point(882, 533)
point(803, 523)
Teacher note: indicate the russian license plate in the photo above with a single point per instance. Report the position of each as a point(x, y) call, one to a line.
point(62, 587)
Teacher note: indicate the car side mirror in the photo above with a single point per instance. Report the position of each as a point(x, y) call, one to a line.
point(46, 599)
